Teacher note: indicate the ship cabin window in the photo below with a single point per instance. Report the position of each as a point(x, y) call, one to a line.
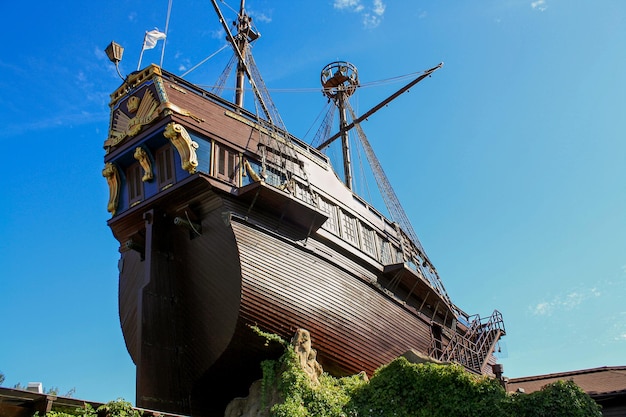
point(226, 166)
point(134, 184)
point(385, 255)
point(349, 228)
point(274, 176)
point(367, 238)
point(397, 253)
point(303, 194)
point(165, 166)
point(332, 225)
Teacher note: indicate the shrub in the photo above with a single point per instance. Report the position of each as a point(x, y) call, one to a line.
point(560, 398)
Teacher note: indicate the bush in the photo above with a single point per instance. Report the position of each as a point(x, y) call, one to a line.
point(560, 398)
point(117, 408)
point(404, 389)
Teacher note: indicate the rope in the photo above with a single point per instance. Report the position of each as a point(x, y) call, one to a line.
point(204, 60)
point(317, 89)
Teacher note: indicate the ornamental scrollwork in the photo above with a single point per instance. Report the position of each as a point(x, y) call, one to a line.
point(145, 110)
point(146, 164)
point(186, 147)
point(112, 176)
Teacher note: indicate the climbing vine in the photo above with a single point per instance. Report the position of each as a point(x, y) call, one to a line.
point(404, 389)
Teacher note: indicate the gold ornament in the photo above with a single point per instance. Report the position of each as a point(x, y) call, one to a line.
point(186, 147)
point(142, 156)
point(112, 176)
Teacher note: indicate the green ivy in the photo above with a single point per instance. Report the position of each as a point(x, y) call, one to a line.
point(560, 398)
point(404, 389)
point(269, 337)
point(301, 398)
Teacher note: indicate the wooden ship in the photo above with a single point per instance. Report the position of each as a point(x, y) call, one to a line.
point(225, 221)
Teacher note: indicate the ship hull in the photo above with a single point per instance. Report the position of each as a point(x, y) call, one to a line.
point(187, 302)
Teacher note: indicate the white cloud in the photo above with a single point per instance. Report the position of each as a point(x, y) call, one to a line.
point(260, 17)
point(372, 14)
point(565, 302)
point(539, 5)
point(542, 309)
point(379, 7)
point(348, 4)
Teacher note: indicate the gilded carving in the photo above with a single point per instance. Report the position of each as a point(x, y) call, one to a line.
point(146, 164)
point(123, 126)
point(251, 172)
point(112, 176)
point(133, 104)
point(174, 108)
point(186, 147)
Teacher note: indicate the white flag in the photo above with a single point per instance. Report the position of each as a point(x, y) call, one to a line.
point(151, 38)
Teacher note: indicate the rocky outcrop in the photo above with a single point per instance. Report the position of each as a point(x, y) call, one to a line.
point(307, 356)
point(255, 405)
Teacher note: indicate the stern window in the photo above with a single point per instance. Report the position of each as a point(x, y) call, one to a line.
point(134, 183)
point(227, 166)
point(165, 166)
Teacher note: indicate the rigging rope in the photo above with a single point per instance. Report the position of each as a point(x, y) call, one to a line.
point(204, 60)
point(317, 89)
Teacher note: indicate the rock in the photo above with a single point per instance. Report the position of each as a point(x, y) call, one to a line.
point(252, 405)
point(307, 356)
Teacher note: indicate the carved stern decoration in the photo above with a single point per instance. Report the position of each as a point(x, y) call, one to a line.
point(130, 113)
point(186, 147)
point(112, 176)
point(142, 156)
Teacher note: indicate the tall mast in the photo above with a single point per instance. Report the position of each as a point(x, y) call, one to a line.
point(243, 26)
point(340, 80)
point(377, 107)
point(244, 36)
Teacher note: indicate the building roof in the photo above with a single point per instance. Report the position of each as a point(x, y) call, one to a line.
point(24, 403)
point(607, 380)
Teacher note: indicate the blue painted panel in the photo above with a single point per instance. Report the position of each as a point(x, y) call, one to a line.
point(203, 152)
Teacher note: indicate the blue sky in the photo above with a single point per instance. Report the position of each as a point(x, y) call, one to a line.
point(510, 161)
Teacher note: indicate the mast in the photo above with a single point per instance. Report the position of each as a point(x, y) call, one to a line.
point(345, 143)
point(340, 80)
point(243, 26)
point(380, 105)
point(240, 42)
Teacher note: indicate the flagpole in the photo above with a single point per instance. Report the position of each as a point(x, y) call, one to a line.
point(167, 24)
point(143, 48)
